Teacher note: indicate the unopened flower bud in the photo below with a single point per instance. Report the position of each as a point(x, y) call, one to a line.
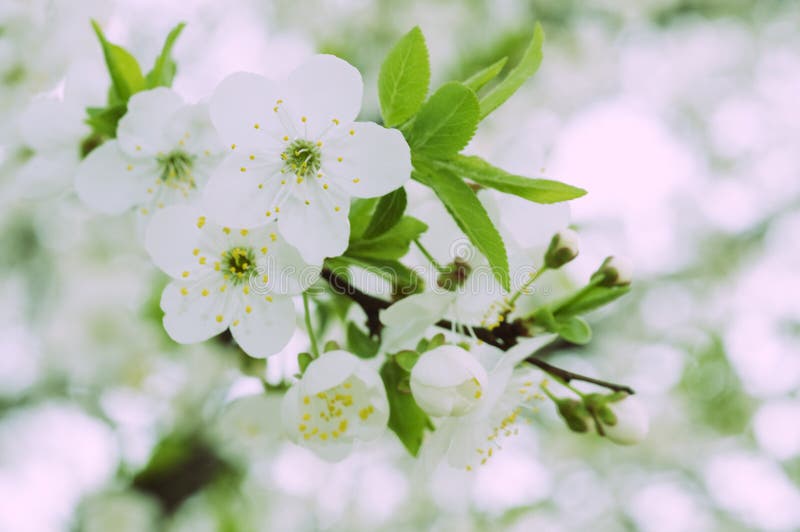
point(448, 381)
point(574, 414)
point(563, 248)
point(615, 271)
point(632, 423)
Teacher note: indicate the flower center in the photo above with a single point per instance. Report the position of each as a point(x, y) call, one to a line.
point(176, 169)
point(302, 158)
point(238, 263)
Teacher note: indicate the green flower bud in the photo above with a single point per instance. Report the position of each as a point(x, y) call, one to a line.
point(574, 414)
point(563, 248)
point(615, 271)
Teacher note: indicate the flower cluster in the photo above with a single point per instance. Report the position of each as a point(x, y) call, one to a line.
point(247, 199)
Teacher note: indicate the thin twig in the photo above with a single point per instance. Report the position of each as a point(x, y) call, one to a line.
point(504, 336)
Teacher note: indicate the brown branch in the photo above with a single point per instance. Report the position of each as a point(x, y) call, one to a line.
point(504, 336)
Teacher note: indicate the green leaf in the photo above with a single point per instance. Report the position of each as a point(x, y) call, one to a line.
point(575, 330)
point(446, 122)
point(470, 215)
point(593, 298)
point(406, 419)
point(359, 343)
point(360, 215)
point(104, 120)
point(407, 359)
point(405, 281)
point(391, 245)
point(303, 360)
point(388, 212)
point(536, 190)
point(163, 71)
point(404, 78)
point(526, 68)
point(482, 77)
point(126, 75)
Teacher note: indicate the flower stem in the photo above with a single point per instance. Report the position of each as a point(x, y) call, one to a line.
point(428, 256)
point(309, 328)
point(525, 286)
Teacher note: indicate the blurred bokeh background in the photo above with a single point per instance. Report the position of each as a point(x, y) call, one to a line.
point(681, 118)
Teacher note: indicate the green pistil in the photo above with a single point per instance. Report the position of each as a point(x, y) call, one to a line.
point(176, 169)
point(238, 263)
point(302, 158)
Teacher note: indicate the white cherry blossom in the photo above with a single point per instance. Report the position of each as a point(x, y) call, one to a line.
point(164, 153)
point(297, 155)
point(471, 440)
point(339, 401)
point(226, 278)
point(448, 381)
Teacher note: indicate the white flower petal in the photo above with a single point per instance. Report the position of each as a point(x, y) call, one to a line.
point(287, 272)
point(324, 88)
point(525, 348)
point(317, 229)
point(233, 197)
point(290, 412)
point(374, 160)
point(105, 183)
point(239, 103)
point(448, 365)
point(408, 319)
point(267, 328)
point(171, 237)
point(329, 370)
point(194, 317)
point(191, 129)
point(142, 130)
point(633, 422)
point(51, 124)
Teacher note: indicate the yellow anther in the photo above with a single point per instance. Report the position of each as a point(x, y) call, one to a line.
point(319, 144)
point(219, 318)
point(325, 186)
point(301, 427)
point(204, 292)
point(347, 385)
point(356, 180)
point(235, 323)
point(285, 138)
point(130, 167)
point(216, 266)
point(273, 236)
point(264, 250)
point(201, 222)
point(242, 169)
point(336, 121)
point(268, 299)
point(339, 159)
point(279, 101)
point(248, 309)
point(138, 148)
point(303, 119)
point(233, 146)
point(243, 232)
point(184, 291)
point(306, 400)
point(196, 251)
point(201, 260)
point(222, 288)
point(252, 157)
point(352, 132)
point(207, 152)
point(308, 202)
point(337, 209)
point(185, 275)
point(256, 126)
point(299, 180)
point(226, 230)
point(323, 436)
point(246, 290)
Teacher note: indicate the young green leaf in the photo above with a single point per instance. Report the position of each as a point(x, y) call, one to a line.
point(391, 245)
point(526, 68)
point(163, 71)
point(446, 122)
point(406, 418)
point(360, 215)
point(404, 78)
point(388, 212)
point(359, 343)
point(103, 120)
point(575, 330)
point(470, 215)
point(536, 190)
point(593, 298)
point(126, 75)
point(482, 77)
